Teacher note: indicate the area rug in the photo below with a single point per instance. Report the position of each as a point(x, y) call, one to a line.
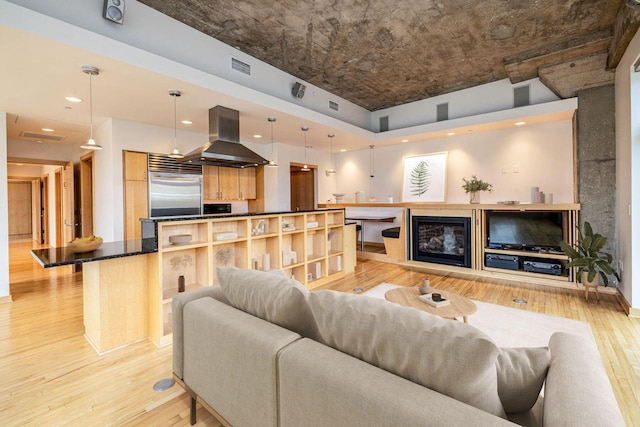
point(511, 327)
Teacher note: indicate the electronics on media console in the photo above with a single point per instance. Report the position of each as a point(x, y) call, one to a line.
point(510, 262)
point(543, 267)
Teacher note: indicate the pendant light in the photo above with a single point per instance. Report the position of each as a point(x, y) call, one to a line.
point(331, 169)
point(175, 154)
point(91, 143)
point(371, 173)
point(305, 168)
point(272, 163)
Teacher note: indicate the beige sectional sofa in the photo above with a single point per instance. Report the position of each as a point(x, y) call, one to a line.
point(259, 350)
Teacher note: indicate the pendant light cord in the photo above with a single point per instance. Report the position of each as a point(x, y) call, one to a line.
point(175, 124)
point(371, 171)
point(91, 104)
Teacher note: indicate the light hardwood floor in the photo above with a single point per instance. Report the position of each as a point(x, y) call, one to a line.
point(51, 376)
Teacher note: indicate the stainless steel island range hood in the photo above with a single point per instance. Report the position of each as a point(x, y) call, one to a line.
point(224, 148)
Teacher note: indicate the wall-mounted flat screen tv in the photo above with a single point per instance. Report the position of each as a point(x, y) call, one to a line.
point(525, 230)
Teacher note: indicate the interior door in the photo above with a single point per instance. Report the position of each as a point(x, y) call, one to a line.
point(302, 188)
point(19, 198)
point(67, 205)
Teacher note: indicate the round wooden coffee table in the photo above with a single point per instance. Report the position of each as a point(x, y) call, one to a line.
point(459, 306)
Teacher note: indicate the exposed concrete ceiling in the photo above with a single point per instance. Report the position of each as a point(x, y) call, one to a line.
point(384, 53)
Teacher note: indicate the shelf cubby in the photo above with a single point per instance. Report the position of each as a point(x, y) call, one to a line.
point(197, 230)
point(233, 254)
point(265, 227)
point(265, 246)
point(223, 231)
point(316, 270)
point(336, 264)
point(297, 220)
point(334, 240)
point(313, 218)
point(293, 242)
point(316, 247)
point(335, 218)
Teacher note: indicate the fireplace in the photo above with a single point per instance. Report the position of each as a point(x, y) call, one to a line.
point(442, 240)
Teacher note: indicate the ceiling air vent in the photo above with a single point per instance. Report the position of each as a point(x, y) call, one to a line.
point(42, 136)
point(333, 106)
point(243, 67)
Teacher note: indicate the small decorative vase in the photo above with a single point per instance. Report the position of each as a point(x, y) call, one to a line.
point(474, 197)
point(180, 283)
point(425, 288)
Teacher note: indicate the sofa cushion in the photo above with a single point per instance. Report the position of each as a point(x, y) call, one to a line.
point(521, 373)
point(450, 357)
point(270, 296)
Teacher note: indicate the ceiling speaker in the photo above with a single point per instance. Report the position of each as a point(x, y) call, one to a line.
point(114, 11)
point(298, 90)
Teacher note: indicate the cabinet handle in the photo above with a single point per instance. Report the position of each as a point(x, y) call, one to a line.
point(241, 195)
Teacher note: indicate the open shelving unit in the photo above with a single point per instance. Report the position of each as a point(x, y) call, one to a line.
point(311, 247)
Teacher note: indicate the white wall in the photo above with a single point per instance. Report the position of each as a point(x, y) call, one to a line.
point(154, 32)
point(490, 97)
point(24, 171)
point(628, 171)
point(31, 150)
point(542, 155)
point(4, 210)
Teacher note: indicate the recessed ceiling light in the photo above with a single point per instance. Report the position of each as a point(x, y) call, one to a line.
point(73, 99)
point(343, 149)
point(48, 130)
point(520, 123)
point(450, 133)
point(187, 122)
point(405, 140)
point(257, 136)
point(39, 141)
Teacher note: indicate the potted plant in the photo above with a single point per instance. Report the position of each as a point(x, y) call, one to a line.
point(475, 186)
point(588, 257)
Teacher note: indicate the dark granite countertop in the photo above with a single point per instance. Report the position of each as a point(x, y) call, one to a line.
point(229, 215)
point(54, 257)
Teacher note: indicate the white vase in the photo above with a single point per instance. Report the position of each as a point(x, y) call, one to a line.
point(474, 197)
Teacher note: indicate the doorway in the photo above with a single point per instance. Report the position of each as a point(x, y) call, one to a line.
point(303, 194)
point(86, 195)
point(44, 209)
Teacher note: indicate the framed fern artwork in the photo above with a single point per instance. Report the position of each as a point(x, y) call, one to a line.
point(425, 178)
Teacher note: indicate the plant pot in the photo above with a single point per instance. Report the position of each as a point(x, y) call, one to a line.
point(590, 285)
point(474, 197)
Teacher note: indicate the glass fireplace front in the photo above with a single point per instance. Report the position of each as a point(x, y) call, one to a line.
point(442, 240)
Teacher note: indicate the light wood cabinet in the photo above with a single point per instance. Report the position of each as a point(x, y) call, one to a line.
point(135, 193)
point(228, 183)
point(210, 183)
point(312, 247)
point(247, 183)
point(222, 183)
point(135, 166)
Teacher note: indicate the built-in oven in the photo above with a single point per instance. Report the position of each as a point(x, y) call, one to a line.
point(216, 208)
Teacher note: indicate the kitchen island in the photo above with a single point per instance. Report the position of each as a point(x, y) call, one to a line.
point(128, 286)
point(114, 288)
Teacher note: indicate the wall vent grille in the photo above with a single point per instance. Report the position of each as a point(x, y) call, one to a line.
point(243, 67)
point(384, 123)
point(442, 112)
point(521, 96)
point(43, 136)
point(333, 106)
point(163, 163)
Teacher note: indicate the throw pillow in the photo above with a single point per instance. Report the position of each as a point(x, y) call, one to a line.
point(269, 296)
point(521, 373)
point(450, 357)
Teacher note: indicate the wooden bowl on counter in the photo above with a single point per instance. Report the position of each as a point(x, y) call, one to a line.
point(81, 246)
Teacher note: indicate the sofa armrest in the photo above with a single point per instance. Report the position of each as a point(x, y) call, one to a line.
point(177, 320)
point(577, 389)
